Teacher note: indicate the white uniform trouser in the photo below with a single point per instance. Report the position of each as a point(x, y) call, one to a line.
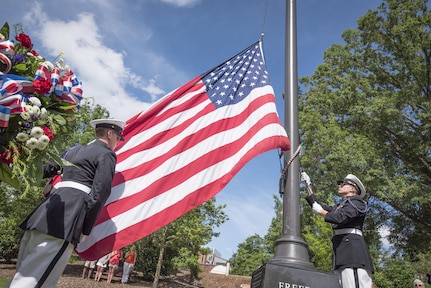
point(127, 268)
point(348, 278)
point(37, 255)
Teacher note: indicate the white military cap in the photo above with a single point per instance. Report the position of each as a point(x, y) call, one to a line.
point(353, 180)
point(114, 124)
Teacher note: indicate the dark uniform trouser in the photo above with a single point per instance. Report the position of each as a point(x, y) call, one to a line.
point(41, 260)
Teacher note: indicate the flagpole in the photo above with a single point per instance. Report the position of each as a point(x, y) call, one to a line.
point(291, 249)
point(291, 266)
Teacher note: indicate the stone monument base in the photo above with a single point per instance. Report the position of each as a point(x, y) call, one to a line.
point(279, 275)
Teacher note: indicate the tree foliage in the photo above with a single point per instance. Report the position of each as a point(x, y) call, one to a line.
point(257, 250)
point(251, 254)
point(181, 242)
point(16, 205)
point(367, 112)
point(275, 228)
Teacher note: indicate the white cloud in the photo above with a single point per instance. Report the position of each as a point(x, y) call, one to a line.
point(182, 3)
point(101, 69)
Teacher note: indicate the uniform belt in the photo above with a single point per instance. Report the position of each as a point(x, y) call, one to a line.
point(348, 231)
point(73, 184)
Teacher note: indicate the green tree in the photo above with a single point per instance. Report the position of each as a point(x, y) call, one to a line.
point(394, 272)
point(367, 112)
point(13, 211)
point(251, 254)
point(255, 250)
point(275, 228)
point(178, 244)
point(16, 205)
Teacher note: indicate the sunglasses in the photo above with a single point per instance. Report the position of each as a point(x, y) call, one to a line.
point(347, 182)
point(419, 285)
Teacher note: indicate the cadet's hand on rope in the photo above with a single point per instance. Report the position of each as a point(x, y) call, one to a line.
point(317, 208)
point(305, 178)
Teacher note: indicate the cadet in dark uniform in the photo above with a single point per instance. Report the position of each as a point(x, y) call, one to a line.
point(56, 226)
point(351, 256)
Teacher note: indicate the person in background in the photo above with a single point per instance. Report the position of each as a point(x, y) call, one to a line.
point(351, 256)
point(129, 263)
point(114, 260)
point(56, 226)
point(418, 284)
point(101, 265)
point(90, 265)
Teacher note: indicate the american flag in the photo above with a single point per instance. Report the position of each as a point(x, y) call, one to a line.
point(185, 148)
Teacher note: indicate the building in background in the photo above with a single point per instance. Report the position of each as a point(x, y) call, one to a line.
point(213, 263)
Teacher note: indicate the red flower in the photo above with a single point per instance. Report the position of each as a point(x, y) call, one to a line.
point(34, 53)
point(7, 156)
point(42, 86)
point(25, 40)
point(48, 133)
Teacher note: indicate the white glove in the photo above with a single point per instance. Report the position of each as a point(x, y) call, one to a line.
point(317, 208)
point(305, 178)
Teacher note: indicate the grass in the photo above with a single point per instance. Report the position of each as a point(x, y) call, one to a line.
point(3, 282)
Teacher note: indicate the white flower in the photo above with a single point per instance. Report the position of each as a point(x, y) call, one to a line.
point(36, 132)
point(41, 146)
point(29, 109)
point(25, 115)
point(35, 101)
point(36, 111)
point(43, 113)
point(31, 143)
point(43, 140)
point(21, 136)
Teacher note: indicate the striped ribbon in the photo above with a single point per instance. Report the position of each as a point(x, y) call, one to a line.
point(6, 49)
point(7, 62)
point(16, 103)
point(42, 72)
point(9, 87)
point(10, 99)
point(66, 86)
point(4, 116)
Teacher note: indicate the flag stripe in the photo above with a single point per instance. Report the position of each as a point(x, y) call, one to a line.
point(180, 172)
point(139, 122)
point(201, 131)
point(175, 200)
point(156, 134)
point(185, 148)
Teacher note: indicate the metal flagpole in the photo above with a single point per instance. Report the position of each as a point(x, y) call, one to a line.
point(291, 266)
point(291, 248)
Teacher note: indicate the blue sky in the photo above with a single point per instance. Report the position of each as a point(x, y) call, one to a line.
point(130, 53)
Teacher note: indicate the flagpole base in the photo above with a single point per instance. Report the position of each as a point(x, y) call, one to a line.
point(273, 275)
point(292, 251)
